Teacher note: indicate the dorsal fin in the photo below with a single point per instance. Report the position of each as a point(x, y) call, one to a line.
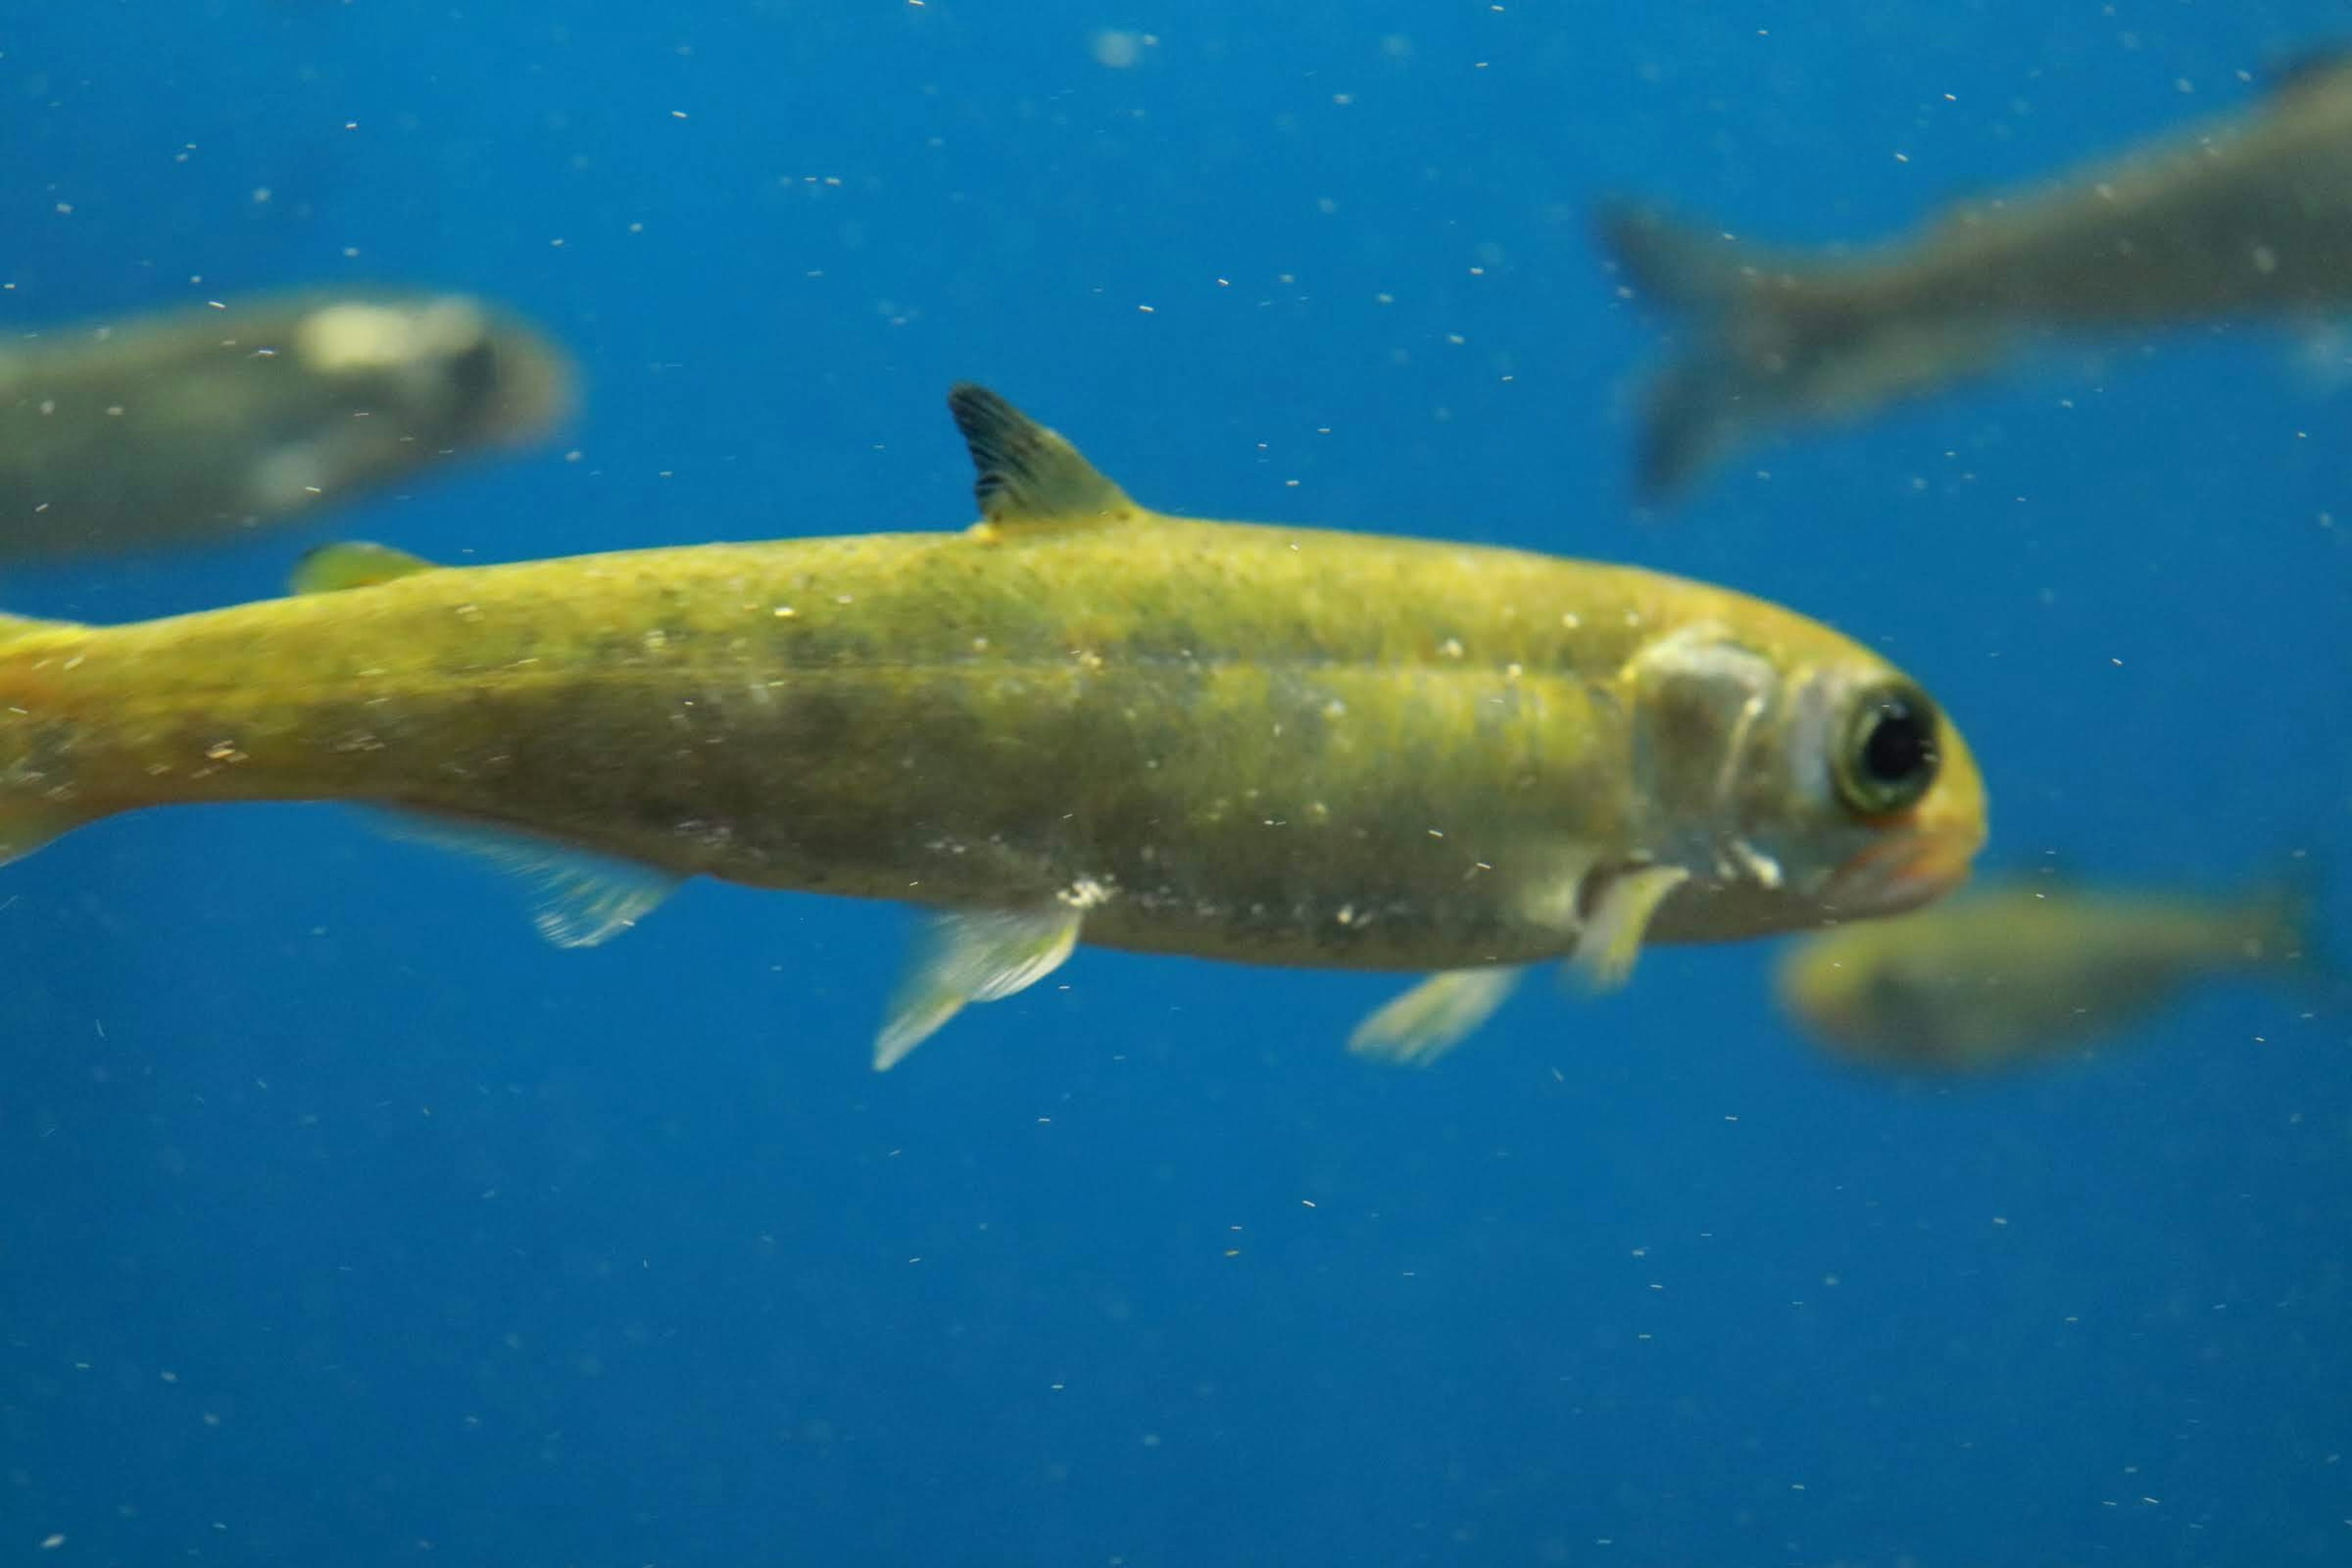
point(332, 568)
point(1029, 476)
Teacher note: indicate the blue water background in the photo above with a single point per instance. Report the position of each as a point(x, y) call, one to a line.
point(346, 1222)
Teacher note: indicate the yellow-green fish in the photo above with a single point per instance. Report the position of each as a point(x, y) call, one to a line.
point(2015, 972)
point(200, 423)
point(2249, 214)
point(1078, 719)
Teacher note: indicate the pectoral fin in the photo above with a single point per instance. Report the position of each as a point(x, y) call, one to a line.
point(1614, 926)
point(972, 955)
point(583, 897)
point(1435, 1015)
point(1029, 476)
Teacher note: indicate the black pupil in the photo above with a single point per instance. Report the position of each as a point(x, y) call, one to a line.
point(1900, 748)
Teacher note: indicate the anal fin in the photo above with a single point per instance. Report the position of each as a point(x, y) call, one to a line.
point(1434, 1017)
point(583, 897)
point(972, 955)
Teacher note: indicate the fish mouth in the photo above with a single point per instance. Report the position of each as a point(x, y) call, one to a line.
point(1904, 871)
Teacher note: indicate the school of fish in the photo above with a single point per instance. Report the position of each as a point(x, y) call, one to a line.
point(1082, 721)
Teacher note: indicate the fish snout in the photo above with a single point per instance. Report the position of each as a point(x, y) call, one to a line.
point(1912, 866)
point(1921, 854)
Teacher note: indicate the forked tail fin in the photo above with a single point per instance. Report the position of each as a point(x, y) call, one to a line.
point(1676, 265)
point(2277, 931)
point(1774, 340)
point(1701, 405)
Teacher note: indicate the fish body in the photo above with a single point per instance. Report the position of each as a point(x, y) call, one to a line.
point(2010, 972)
point(194, 424)
point(2246, 215)
point(1265, 744)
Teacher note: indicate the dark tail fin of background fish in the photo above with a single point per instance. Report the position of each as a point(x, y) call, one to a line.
point(2280, 933)
point(2277, 930)
point(1702, 404)
point(1772, 341)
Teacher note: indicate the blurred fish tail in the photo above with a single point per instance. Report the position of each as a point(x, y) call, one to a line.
point(1777, 339)
point(2272, 921)
point(2277, 935)
point(1714, 395)
point(1687, 269)
point(2274, 930)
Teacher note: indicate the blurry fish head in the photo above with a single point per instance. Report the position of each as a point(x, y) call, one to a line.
point(385, 384)
point(1799, 779)
point(1875, 1000)
point(444, 366)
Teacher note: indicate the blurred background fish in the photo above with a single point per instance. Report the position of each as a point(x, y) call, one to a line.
point(2021, 970)
point(162, 429)
point(2241, 215)
point(350, 1222)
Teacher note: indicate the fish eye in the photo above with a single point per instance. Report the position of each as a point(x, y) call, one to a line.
point(1888, 757)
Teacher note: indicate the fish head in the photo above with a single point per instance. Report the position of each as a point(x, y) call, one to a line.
point(443, 367)
point(385, 385)
point(1800, 779)
point(1903, 814)
point(1874, 992)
